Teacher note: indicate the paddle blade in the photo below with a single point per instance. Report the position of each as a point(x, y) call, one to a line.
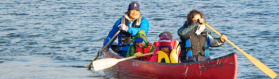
point(256, 62)
point(105, 63)
point(261, 66)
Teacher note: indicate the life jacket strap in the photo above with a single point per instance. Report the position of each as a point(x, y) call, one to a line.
point(189, 48)
point(124, 41)
point(204, 48)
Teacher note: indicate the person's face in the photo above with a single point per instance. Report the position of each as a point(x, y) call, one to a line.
point(196, 17)
point(134, 13)
point(165, 49)
point(140, 44)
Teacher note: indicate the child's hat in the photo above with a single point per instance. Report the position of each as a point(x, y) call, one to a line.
point(165, 41)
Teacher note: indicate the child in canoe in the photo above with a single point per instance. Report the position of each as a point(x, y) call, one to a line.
point(165, 53)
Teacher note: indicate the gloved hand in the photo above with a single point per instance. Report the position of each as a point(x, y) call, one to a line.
point(123, 27)
point(200, 29)
point(138, 54)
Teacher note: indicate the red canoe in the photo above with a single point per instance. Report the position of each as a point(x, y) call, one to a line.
point(220, 68)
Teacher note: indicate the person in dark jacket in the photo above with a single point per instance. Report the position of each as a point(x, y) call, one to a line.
point(129, 24)
point(196, 39)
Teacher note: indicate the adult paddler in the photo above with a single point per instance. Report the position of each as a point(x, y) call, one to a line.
point(196, 40)
point(129, 24)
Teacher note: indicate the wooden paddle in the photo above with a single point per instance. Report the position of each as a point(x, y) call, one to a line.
point(256, 62)
point(109, 62)
point(89, 66)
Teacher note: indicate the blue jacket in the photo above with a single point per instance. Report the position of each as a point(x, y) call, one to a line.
point(144, 25)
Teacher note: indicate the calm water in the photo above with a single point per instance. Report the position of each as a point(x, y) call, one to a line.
point(58, 38)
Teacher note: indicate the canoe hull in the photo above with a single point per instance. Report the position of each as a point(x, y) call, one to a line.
point(220, 68)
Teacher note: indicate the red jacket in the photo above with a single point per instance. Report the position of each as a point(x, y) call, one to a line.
point(143, 51)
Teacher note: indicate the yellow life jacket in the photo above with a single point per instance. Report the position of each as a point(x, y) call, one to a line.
point(173, 57)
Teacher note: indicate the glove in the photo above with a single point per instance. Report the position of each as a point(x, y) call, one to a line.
point(200, 29)
point(138, 54)
point(123, 27)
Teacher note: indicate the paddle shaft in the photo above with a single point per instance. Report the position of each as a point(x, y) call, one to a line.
point(89, 66)
point(141, 56)
point(256, 62)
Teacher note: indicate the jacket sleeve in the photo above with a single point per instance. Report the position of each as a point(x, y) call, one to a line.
point(214, 42)
point(186, 31)
point(154, 58)
point(152, 48)
point(144, 25)
point(155, 50)
point(131, 51)
point(112, 32)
